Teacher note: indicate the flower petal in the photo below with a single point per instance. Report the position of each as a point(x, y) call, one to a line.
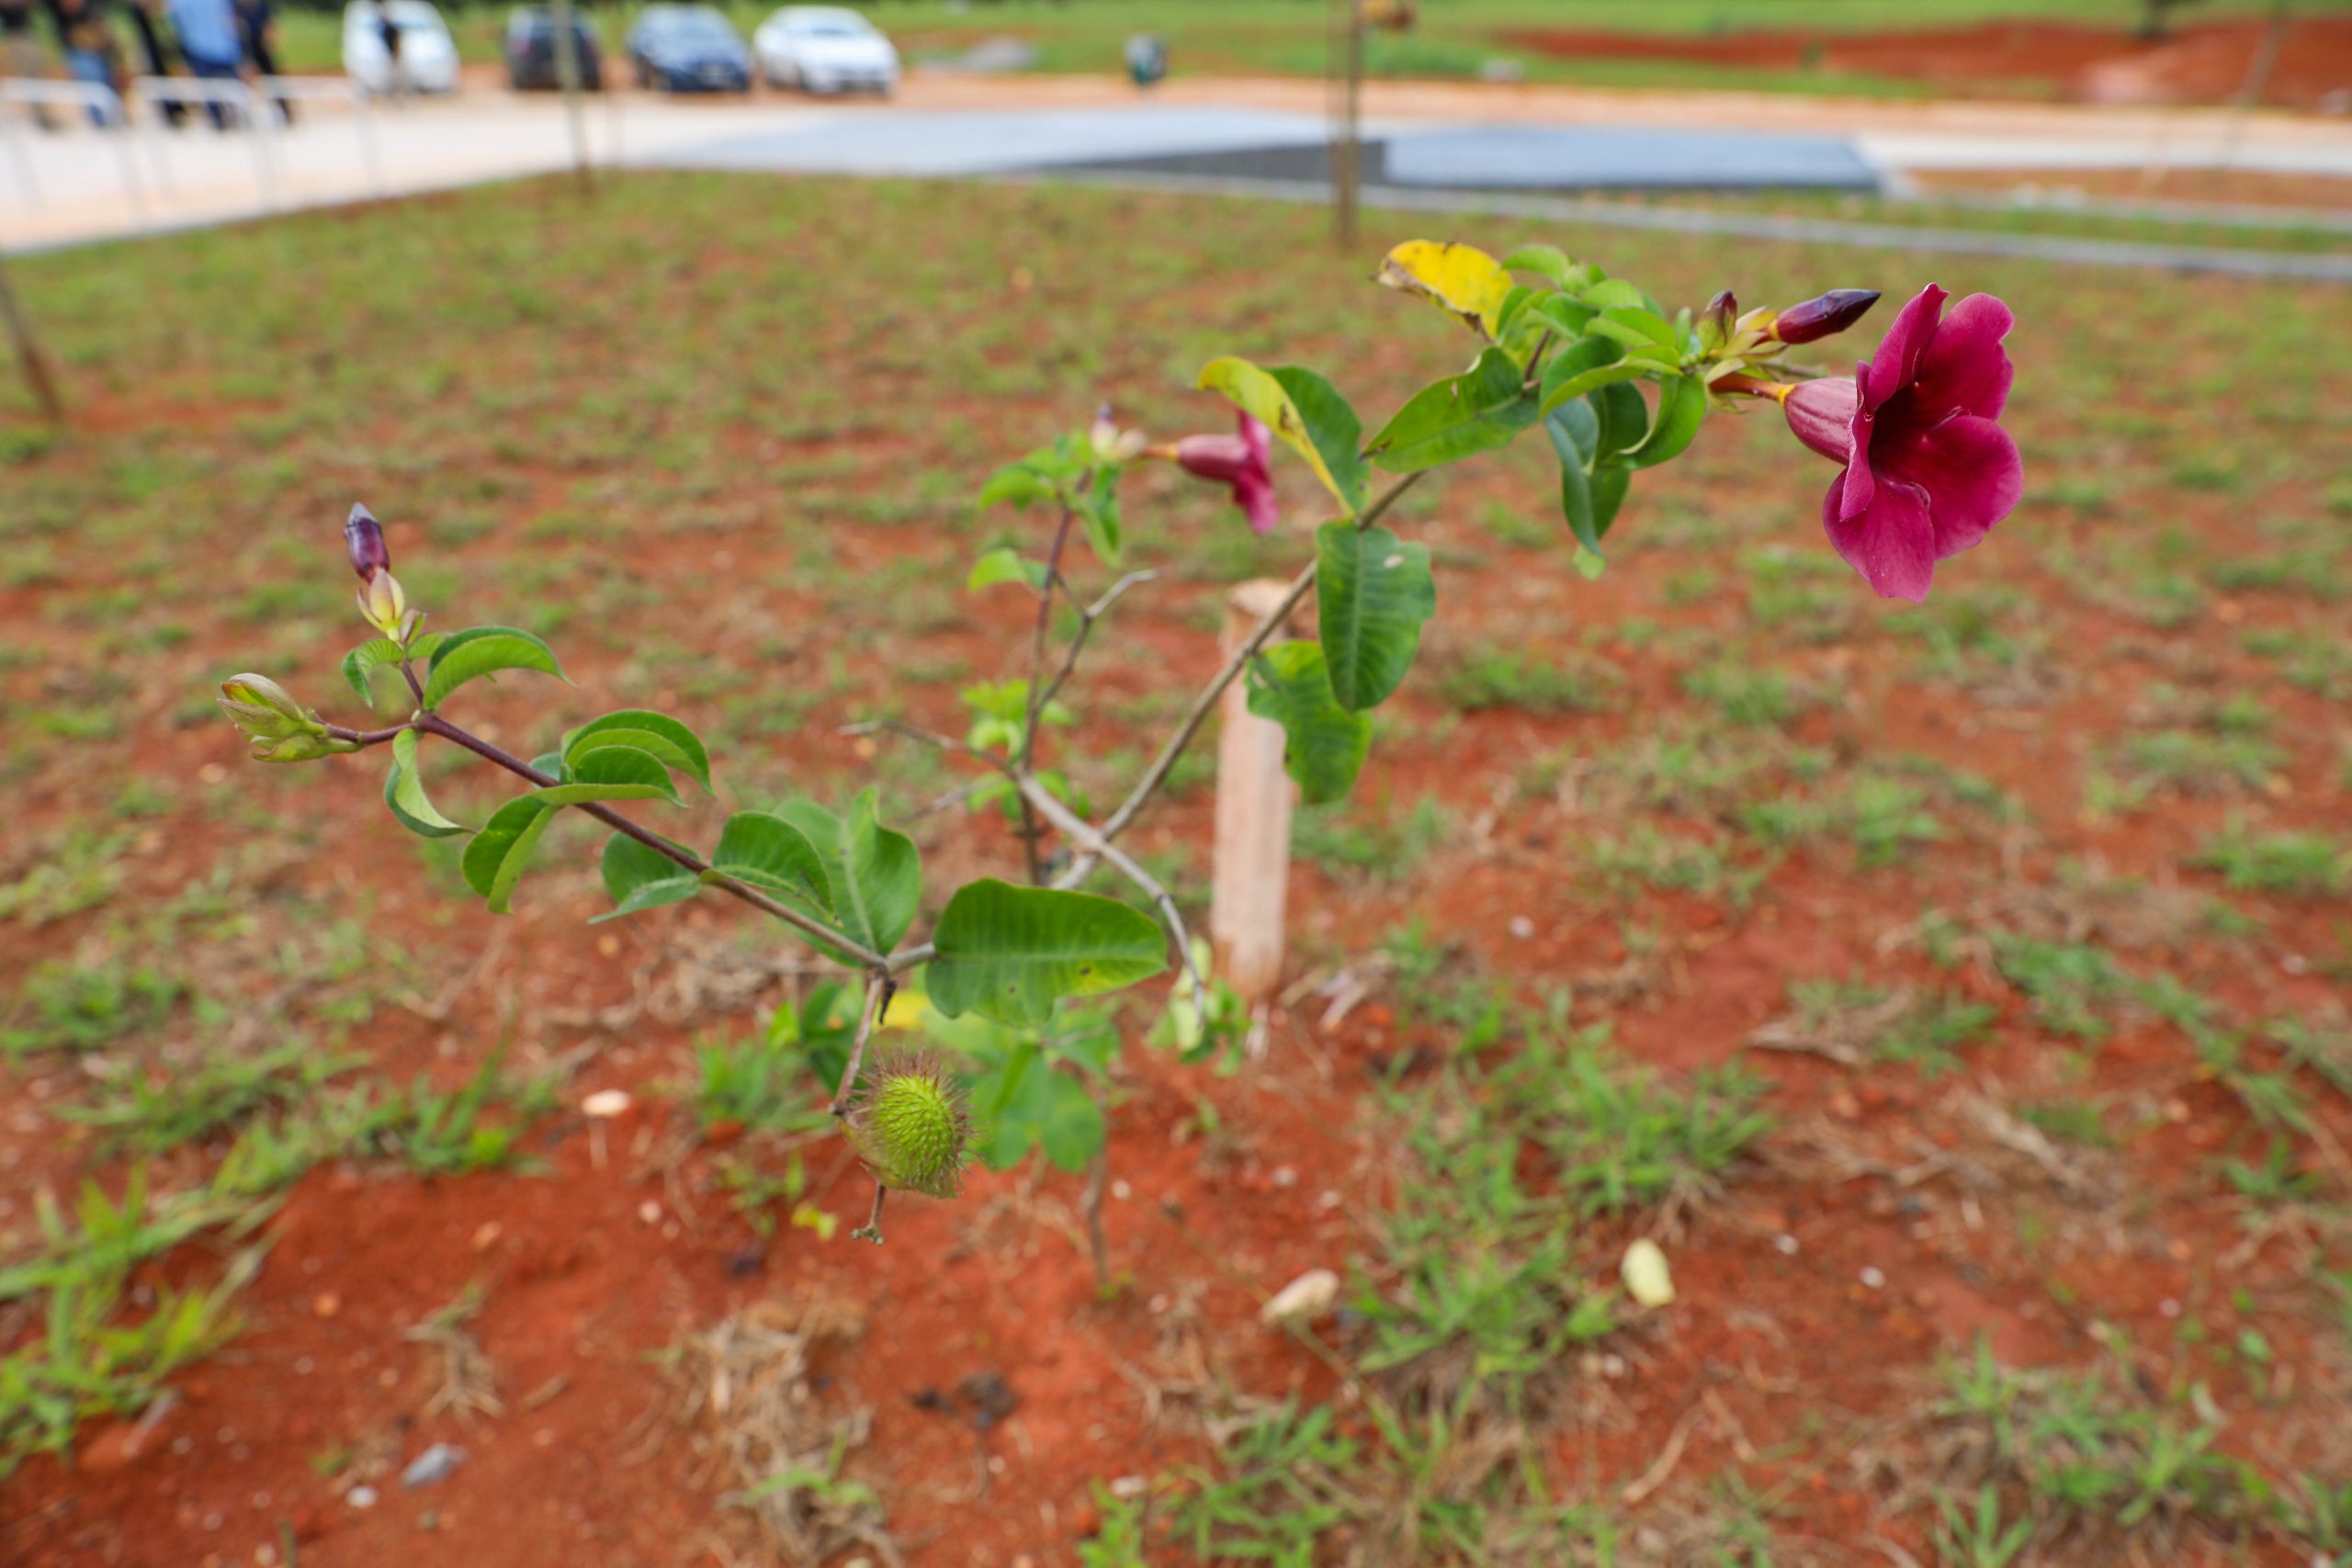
point(1860, 478)
point(1965, 370)
point(1891, 543)
point(1968, 469)
point(1822, 415)
point(1891, 368)
point(1254, 493)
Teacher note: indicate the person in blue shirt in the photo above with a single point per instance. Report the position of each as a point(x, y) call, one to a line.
point(210, 42)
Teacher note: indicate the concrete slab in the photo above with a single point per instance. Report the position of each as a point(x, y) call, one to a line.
point(995, 142)
point(1537, 157)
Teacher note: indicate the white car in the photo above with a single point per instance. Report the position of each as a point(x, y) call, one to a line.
point(428, 60)
point(824, 49)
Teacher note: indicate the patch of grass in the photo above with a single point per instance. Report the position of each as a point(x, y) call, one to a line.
point(1389, 848)
point(2075, 989)
point(222, 1089)
point(82, 1006)
point(1499, 676)
point(2302, 864)
point(1884, 818)
point(77, 870)
point(1745, 695)
point(1671, 863)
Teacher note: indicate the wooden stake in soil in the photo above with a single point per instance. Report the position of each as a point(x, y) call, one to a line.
point(1253, 807)
point(28, 354)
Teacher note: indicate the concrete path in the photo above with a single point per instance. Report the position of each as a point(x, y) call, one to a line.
point(79, 185)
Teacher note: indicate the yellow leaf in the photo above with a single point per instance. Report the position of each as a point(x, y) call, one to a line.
point(908, 1010)
point(1463, 278)
point(1259, 395)
point(1646, 1278)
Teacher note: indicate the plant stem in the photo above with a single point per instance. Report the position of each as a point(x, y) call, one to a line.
point(879, 989)
point(817, 931)
point(367, 737)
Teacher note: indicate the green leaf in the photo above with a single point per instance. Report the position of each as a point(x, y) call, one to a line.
point(1545, 261)
point(772, 854)
point(1583, 367)
point(1006, 564)
point(1643, 326)
point(656, 734)
point(612, 772)
point(1575, 486)
point(1615, 292)
point(365, 661)
point(873, 875)
point(493, 863)
point(1098, 509)
point(405, 793)
point(1010, 954)
point(1476, 412)
point(1024, 1103)
point(1023, 482)
point(1373, 590)
point(1306, 412)
point(1623, 419)
point(1289, 685)
point(1681, 406)
point(640, 878)
point(481, 651)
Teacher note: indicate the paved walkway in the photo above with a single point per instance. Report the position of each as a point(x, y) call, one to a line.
point(78, 185)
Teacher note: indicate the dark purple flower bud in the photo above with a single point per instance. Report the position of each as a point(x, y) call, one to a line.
point(1721, 312)
point(364, 536)
point(1833, 312)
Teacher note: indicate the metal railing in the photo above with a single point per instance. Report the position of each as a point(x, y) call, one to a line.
point(224, 93)
point(335, 89)
point(35, 94)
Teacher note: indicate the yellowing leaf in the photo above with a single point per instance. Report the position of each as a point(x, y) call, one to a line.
point(1463, 278)
point(1323, 433)
point(1646, 1278)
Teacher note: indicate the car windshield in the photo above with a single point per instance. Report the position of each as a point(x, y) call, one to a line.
point(830, 27)
point(690, 26)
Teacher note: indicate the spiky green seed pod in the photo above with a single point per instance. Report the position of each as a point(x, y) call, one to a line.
point(909, 1123)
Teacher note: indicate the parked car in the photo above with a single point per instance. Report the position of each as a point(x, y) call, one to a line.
point(688, 49)
point(428, 60)
point(824, 49)
point(531, 63)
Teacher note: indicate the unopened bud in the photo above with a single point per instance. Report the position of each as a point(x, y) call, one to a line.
point(1716, 321)
point(1111, 444)
point(281, 729)
point(381, 602)
point(1832, 313)
point(364, 537)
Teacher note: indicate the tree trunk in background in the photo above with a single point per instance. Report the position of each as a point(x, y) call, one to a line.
point(567, 73)
point(28, 354)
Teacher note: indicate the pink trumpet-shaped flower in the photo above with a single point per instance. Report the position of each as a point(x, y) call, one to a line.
point(1928, 471)
point(1241, 461)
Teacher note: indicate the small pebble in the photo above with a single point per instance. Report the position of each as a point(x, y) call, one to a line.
point(1785, 1245)
point(361, 1497)
point(1875, 1279)
point(436, 1463)
point(607, 1103)
point(1521, 927)
point(1304, 1299)
point(649, 1211)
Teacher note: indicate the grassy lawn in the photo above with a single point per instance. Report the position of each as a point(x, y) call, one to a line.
point(1954, 992)
point(1454, 39)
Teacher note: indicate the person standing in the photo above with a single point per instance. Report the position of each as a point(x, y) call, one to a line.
point(144, 18)
point(88, 45)
point(387, 28)
point(20, 52)
point(210, 43)
point(257, 20)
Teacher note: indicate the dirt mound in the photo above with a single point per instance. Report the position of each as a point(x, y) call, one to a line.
point(2204, 64)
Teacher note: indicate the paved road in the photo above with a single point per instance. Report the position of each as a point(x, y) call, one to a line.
point(80, 184)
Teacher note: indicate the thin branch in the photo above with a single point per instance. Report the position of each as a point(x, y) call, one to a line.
point(1086, 619)
point(1154, 776)
point(1085, 835)
point(879, 989)
point(817, 931)
point(367, 737)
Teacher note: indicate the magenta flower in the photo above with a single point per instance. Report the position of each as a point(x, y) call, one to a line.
point(1240, 462)
point(1928, 471)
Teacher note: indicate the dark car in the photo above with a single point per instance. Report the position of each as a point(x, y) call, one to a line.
point(688, 49)
point(531, 63)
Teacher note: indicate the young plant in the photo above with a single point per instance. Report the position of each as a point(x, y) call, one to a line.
point(1560, 347)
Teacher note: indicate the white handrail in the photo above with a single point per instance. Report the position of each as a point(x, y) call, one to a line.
point(235, 94)
point(335, 89)
point(33, 93)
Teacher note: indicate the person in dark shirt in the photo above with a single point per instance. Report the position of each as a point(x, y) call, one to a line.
point(257, 19)
point(155, 54)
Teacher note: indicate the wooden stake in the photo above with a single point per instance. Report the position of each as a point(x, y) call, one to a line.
point(28, 354)
point(1253, 807)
